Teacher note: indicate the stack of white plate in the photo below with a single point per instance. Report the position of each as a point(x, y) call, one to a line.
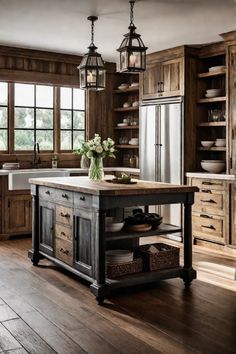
point(217, 68)
point(213, 93)
point(119, 256)
point(11, 165)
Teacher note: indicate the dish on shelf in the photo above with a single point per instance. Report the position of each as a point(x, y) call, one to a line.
point(220, 142)
point(133, 141)
point(135, 104)
point(213, 93)
point(138, 228)
point(207, 143)
point(126, 104)
point(122, 125)
point(217, 68)
point(123, 140)
point(113, 225)
point(11, 166)
point(134, 84)
point(213, 166)
point(123, 86)
point(119, 256)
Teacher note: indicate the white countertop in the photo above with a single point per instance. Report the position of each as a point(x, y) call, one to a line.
point(71, 170)
point(211, 175)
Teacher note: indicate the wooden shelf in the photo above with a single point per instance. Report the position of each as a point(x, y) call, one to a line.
point(161, 230)
point(212, 124)
point(127, 146)
point(126, 109)
point(211, 74)
point(212, 100)
point(130, 89)
point(214, 148)
point(128, 127)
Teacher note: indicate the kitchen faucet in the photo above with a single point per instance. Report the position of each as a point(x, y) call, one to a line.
point(36, 160)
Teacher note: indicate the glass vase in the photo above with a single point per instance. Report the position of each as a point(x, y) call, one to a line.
point(96, 172)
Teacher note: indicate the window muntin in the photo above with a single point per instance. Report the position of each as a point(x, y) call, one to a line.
point(33, 117)
point(72, 118)
point(3, 116)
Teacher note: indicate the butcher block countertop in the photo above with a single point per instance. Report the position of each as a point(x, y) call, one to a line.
point(104, 188)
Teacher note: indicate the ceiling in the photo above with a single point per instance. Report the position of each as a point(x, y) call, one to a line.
point(62, 26)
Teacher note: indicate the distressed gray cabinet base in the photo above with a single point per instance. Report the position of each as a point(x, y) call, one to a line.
point(69, 227)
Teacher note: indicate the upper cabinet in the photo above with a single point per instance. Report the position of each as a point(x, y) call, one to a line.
point(163, 77)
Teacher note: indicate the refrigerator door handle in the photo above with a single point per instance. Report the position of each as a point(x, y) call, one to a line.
point(158, 144)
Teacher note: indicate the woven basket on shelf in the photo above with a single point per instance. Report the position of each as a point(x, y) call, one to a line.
point(117, 270)
point(167, 257)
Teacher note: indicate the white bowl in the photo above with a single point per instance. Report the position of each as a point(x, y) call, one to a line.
point(207, 143)
point(114, 226)
point(220, 143)
point(213, 166)
point(134, 84)
point(124, 85)
point(135, 104)
point(126, 104)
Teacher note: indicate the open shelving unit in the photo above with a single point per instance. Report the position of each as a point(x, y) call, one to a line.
point(127, 155)
point(212, 113)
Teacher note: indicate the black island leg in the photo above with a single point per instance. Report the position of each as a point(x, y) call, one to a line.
point(34, 253)
point(188, 273)
point(98, 288)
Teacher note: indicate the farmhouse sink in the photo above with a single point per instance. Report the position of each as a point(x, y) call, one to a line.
point(19, 179)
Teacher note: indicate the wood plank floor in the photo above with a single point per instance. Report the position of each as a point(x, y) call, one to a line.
point(46, 310)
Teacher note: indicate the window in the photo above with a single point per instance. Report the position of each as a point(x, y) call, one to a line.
point(3, 116)
point(33, 113)
point(72, 118)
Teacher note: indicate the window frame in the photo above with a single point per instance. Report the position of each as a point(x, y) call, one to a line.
point(7, 128)
point(56, 119)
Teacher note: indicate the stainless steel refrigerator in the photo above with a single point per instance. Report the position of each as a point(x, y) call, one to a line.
point(161, 148)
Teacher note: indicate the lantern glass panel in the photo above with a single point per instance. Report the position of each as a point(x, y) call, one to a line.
point(91, 78)
point(82, 78)
point(123, 60)
point(134, 60)
point(101, 78)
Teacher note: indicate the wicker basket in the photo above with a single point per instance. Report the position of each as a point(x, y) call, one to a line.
point(167, 257)
point(117, 270)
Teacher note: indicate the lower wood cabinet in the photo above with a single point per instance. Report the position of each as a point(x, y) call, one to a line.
point(18, 218)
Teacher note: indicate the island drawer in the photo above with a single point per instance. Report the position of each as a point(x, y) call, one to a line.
point(209, 202)
point(82, 200)
point(208, 227)
point(56, 195)
point(209, 184)
point(64, 251)
point(63, 232)
point(64, 215)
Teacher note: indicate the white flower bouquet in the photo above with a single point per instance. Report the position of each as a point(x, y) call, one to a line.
point(96, 149)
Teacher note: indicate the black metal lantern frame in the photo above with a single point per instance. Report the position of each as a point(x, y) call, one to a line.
point(132, 49)
point(91, 69)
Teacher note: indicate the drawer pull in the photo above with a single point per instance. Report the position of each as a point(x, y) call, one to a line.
point(207, 201)
point(47, 192)
point(205, 191)
point(206, 216)
point(82, 198)
point(211, 183)
point(211, 227)
point(66, 215)
point(64, 251)
point(65, 196)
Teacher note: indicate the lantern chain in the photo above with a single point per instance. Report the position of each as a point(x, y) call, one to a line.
point(132, 12)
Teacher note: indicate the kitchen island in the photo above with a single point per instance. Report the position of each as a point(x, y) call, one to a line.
point(69, 227)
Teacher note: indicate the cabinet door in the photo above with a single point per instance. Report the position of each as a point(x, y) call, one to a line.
point(232, 107)
point(172, 78)
point(150, 81)
point(46, 227)
point(232, 239)
point(83, 241)
point(18, 214)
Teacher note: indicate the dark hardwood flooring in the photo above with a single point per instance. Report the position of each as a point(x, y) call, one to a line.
point(46, 310)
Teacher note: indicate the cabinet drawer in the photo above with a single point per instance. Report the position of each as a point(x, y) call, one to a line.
point(209, 202)
point(64, 251)
point(209, 184)
point(82, 200)
point(63, 232)
point(56, 195)
point(64, 215)
point(208, 227)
